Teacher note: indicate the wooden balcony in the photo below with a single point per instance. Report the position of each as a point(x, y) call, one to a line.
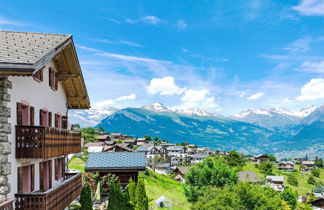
point(46, 142)
point(7, 205)
point(56, 198)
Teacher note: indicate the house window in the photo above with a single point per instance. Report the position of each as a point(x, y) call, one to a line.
point(25, 114)
point(26, 176)
point(59, 168)
point(53, 79)
point(44, 118)
point(58, 121)
point(38, 76)
point(45, 175)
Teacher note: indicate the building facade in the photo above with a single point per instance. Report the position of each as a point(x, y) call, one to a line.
point(40, 80)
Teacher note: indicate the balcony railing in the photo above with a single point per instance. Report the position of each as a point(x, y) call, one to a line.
point(7, 205)
point(46, 142)
point(56, 198)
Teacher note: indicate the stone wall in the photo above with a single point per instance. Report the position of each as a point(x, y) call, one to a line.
point(5, 145)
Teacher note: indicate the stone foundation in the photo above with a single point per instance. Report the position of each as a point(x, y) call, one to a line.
point(5, 145)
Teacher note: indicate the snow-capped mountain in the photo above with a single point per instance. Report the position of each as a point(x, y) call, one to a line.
point(273, 117)
point(159, 108)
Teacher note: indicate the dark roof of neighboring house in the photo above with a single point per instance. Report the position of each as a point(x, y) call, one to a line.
point(110, 142)
point(261, 156)
point(123, 146)
point(94, 144)
point(249, 176)
point(141, 139)
point(103, 137)
point(183, 169)
point(24, 53)
point(130, 140)
point(115, 161)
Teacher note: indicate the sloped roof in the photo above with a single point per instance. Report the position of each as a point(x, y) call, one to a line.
point(275, 178)
point(174, 148)
point(94, 144)
point(142, 149)
point(24, 53)
point(115, 160)
point(183, 169)
point(308, 162)
point(200, 155)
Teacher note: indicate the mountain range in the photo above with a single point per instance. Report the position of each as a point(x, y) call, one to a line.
point(280, 131)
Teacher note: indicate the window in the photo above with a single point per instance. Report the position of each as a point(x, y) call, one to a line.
point(38, 76)
point(26, 176)
point(59, 168)
point(45, 175)
point(25, 114)
point(53, 79)
point(58, 121)
point(44, 118)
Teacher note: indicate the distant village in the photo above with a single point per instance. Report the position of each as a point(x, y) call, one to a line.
point(169, 158)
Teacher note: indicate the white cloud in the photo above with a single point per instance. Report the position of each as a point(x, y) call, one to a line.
point(113, 102)
point(300, 45)
point(181, 24)
point(287, 100)
point(120, 42)
point(310, 7)
point(149, 19)
point(255, 96)
point(312, 67)
point(312, 90)
point(200, 99)
point(164, 86)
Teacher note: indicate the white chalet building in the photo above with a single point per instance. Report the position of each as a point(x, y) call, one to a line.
point(40, 79)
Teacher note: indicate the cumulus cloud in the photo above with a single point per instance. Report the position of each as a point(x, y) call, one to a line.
point(200, 99)
point(181, 24)
point(310, 7)
point(113, 102)
point(255, 96)
point(312, 67)
point(164, 86)
point(312, 90)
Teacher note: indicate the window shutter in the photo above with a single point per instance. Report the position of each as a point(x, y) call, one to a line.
point(50, 173)
point(56, 120)
point(41, 75)
point(19, 113)
point(56, 81)
point(32, 116)
point(32, 177)
point(64, 122)
point(50, 76)
point(50, 119)
point(20, 179)
point(56, 163)
point(41, 176)
point(41, 117)
point(63, 166)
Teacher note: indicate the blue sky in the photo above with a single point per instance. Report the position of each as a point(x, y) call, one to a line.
point(222, 56)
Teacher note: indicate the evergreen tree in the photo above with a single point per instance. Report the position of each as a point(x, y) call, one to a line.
point(289, 196)
point(116, 198)
point(131, 189)
point(141, 198)
point(311, 180)
point(85, 198)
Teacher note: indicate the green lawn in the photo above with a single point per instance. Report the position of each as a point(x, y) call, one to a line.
point(157, 185)
point(302, 177)
point(77, 164)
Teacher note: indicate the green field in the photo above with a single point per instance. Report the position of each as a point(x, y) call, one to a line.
point(77, 164)
point(302, 177)
point(157, 185)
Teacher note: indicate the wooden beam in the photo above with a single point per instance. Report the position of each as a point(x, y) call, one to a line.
point(71, 99)
point(65, 76)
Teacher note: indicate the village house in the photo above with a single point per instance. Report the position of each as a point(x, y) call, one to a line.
point(162, 168)
point(308, 165)
point(40, 80)
point(116, 136)
point(180, 173)
point(103, 138)
point(125, 165)
point(144, 149)
point(276, 182)
point(110, 143)
point(179, 158)
point(286, 166)
point(175, 149)
point(198, 157)
point(141, 141)
point(131, 142)
point(117, 148)
point(260, 159)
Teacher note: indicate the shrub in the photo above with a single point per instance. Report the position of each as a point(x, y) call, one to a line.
point(92, 179)
point(213, 171)
point(117, 200)
point(131, 189)
point(292, 180)
point(266, 168)
point(316, 172)
point(235, 159)
point(288, 196)
point(311, 180)
point(85, 198)
point(141, 198)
